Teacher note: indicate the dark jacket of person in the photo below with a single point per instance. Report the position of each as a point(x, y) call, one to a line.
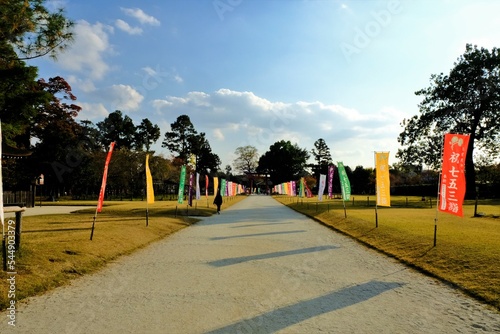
point(218, 199)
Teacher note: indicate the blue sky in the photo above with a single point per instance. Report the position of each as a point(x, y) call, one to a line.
point(252, 72)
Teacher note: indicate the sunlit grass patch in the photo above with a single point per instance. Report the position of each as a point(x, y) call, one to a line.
point(57, 248)
point(467, 252)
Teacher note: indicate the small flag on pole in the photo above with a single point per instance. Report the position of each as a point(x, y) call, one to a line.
point(103, 187)
point(206, 186)
point(104, 177)
point(452, 185)
point(197, 185)
point(223, 186)
point(182, 180)
point(345, 185)
point(383, 179)
point(322, 185)
point(150, 195)
point(216, 185)
point(330, 181)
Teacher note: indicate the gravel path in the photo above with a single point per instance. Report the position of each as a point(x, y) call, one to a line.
point(258, 267)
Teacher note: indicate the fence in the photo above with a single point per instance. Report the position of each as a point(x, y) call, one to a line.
point(24, 197)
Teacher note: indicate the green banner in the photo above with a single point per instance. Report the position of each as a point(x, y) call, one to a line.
point(223, 187)
point(345, 185)
point(301, 187)
point(182, 180)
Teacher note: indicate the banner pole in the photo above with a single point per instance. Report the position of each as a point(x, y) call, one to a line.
point(345, 211)
point(93, 224)
point(438, 200)
point(437, 210)
point(103, 186)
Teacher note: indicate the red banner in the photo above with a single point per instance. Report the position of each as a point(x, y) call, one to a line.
point(206, 186)
point(452, 185)
point(104, 177)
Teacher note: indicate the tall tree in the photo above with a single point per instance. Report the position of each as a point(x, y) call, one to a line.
point(283, 162)
point(362, 180)
point(247, 159)
point(206, 161)
point(465, 101)
point(322, 156)
point(147, 134)
point(118, 128)
point(56, 151)
point(30, 29)
point(180, 138)
point(20, 95)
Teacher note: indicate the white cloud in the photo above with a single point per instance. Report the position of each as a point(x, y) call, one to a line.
point(86, 53)
point(85, 85)
point(122, 25)
point(123, 97)
point(142, 17)
point(218, 134)
point(178, 78)
point(93, 111)
point(154, 77)
point(235, 118)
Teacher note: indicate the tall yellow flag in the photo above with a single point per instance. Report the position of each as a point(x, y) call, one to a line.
point(382, 178)
point(149, 183)
point(216, 185)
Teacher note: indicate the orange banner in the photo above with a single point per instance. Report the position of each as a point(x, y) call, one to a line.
point(452, 185)
point(383, 179)
point(104, 177)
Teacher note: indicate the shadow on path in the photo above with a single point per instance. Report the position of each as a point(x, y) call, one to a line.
point(257, 234)
point(236, 260)
point(263, 224)
point(283, 317)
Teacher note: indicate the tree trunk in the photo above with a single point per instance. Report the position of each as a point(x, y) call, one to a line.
point(470, 171)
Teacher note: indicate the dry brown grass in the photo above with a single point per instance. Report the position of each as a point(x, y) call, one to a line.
point(57, 248)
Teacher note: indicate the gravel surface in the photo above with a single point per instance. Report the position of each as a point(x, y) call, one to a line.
point(49, 210)
point(258, 267)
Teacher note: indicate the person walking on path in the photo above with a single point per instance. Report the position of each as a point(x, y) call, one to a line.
point(218, 201)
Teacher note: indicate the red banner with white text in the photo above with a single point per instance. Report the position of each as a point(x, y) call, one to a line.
point(452, 185)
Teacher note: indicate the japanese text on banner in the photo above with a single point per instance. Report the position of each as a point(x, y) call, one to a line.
point(452, 186)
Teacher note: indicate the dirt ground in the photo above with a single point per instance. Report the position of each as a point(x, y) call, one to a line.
point(258, 267)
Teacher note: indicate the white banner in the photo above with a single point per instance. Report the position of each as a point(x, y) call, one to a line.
point(322, 185)
point(198, 195)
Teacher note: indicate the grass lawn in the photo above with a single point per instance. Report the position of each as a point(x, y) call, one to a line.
point(57, 248)
point(467, 251)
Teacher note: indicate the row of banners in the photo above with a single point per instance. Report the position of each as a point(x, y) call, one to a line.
point(226, 188)
point(451, 189)
point(382, 175)
point(452, 180)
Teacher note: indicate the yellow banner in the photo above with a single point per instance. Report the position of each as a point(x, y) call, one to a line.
point(149, 183)
point(216, 185)
point(382, 177)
